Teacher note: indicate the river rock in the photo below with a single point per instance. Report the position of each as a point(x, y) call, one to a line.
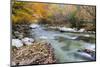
point(17, 42)
point(33, 26)
point(85, 55)
point(64, 29)
point(74, 37)
point(81, 30)
point(28, 41)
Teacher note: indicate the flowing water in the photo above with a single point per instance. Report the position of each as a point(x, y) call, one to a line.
point(64, 44)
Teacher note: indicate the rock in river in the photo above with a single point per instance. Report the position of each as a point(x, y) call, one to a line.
point(33, 26)
point(81, 30)
point(64, 29)
point(85, 55)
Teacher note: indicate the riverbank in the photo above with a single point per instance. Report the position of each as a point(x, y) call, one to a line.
point(38, 53)
point(26, 50)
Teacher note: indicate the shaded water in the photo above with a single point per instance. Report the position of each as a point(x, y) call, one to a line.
point(64, 44)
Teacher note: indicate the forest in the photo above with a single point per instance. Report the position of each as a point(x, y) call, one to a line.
point(54, 14)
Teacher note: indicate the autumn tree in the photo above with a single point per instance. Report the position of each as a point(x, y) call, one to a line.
point(20, 13)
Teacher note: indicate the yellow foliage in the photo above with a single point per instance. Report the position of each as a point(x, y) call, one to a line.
point(33, 12)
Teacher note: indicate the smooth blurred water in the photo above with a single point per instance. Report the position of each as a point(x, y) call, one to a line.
point(64, 44)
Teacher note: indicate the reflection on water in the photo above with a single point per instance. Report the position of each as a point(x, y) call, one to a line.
point(65, 46)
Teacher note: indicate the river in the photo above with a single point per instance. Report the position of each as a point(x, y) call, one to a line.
point(64, 44)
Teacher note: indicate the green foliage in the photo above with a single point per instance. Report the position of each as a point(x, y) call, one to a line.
point(72, 19)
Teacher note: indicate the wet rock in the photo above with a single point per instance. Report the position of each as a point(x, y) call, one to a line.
point(64, 29)
point(87, 54)
point(81, 30)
